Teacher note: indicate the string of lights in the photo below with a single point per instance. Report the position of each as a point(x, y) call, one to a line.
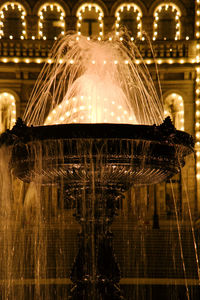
point(197, 91)
point(92, 13)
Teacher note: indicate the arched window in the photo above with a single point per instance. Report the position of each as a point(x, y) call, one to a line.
point(7, 111)
point(12, 21)
point(129, 15)
point(51, 21)
point(90, 20)
point(166, 22)
point(173, 107)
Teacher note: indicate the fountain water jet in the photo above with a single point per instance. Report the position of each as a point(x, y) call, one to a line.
point(94, 82)
point(120, 143)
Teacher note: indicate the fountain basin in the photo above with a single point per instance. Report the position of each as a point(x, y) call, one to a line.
point(109, 154)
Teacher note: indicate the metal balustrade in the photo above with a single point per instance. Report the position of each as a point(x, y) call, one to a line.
point(41, 48)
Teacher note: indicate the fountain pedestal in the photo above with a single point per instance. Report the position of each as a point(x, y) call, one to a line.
point(95, 272)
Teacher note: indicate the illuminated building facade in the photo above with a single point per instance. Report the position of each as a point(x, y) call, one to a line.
point(28, 30)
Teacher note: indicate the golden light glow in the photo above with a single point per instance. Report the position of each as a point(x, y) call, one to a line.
point(174, 108)
point(8, 107)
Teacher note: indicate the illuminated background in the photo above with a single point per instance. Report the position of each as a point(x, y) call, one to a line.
point(28, 30)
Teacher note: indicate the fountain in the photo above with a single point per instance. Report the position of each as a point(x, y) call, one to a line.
point(103, 132)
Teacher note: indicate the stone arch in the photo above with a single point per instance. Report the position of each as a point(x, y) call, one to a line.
point(22, 2)
point(62, 3)
point(178, 3)
point(139, 3)
point(100, 3)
